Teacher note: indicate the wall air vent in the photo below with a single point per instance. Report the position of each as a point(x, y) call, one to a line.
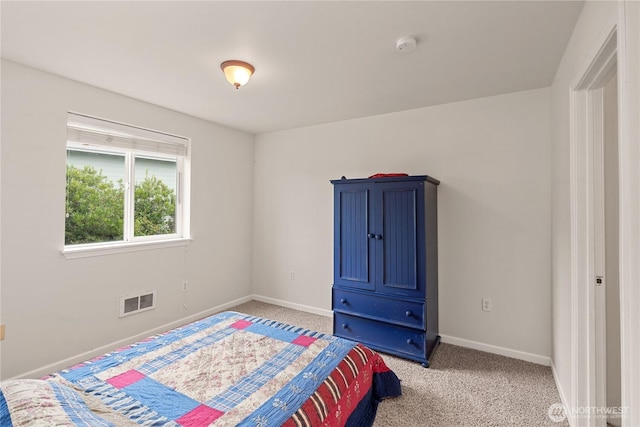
point(132, 304)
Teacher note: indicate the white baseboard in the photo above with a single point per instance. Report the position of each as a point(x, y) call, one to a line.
point(62, 364)
point(294, 306)
point(502, 351)
point(563, 397)
point(516, 354)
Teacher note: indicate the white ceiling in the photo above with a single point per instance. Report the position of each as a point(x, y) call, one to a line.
point(316, 62)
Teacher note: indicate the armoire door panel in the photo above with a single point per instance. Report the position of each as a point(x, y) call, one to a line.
point(353, 241)
point(399, 242)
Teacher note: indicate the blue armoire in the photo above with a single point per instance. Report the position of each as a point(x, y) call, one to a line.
point(385, 288)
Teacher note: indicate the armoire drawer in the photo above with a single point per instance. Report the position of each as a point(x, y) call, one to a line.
point(403, 312)
point(380, 336)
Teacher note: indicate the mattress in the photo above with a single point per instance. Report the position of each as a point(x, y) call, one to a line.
point(229, 369)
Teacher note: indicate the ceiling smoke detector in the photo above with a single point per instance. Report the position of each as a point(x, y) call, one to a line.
point(406, 44)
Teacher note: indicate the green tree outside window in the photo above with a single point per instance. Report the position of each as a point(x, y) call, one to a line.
point(95, 207)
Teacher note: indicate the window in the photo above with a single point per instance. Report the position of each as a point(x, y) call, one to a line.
point(126, 186)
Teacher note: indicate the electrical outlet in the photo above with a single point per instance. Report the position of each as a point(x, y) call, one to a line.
point(487, 305)
point(1, 332)
point(185, 286)
point(292, 275)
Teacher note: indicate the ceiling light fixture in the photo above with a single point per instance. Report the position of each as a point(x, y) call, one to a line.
point(237, 73)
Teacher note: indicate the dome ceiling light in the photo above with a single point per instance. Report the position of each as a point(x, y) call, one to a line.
point(237, 72)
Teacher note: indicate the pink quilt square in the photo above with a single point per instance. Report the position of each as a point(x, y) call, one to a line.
point(125, 378)
point(201, 416)
point(241, 324)
point(304, 340)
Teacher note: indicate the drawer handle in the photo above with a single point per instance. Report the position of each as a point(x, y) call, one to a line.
point(409, 313)
point(344, 301)
point(371, 235)
point(345, 326)
point(410, 341)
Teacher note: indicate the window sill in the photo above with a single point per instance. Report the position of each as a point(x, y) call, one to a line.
point(119, 248)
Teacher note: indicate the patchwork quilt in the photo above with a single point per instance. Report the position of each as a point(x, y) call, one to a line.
point(230, 369)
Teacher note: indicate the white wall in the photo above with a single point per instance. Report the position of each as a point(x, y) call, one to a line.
point(493, 158)
point(56, 308)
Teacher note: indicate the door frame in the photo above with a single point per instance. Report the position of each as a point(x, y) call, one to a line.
point(617, 44)
point(586, 140)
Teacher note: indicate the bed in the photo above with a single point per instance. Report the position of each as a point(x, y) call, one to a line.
point(229, 369)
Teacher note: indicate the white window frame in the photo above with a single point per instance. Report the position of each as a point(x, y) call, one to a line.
point(131, 142)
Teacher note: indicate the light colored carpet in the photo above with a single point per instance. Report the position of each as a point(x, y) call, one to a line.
point(463, 387)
